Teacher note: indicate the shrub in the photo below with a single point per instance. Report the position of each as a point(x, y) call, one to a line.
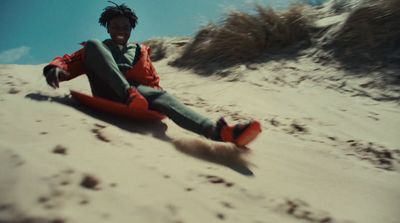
point(242, 37)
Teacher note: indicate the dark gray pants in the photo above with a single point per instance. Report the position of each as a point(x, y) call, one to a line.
point(107, 81)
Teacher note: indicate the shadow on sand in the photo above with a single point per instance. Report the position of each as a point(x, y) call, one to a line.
point(198, 148)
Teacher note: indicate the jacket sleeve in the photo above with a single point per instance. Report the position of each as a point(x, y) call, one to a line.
point(72, 63)
point(143, 72)
point(154, 79)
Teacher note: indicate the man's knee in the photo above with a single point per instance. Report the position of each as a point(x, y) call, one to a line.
point(93, 44)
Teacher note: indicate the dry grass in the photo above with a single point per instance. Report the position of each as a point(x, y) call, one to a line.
point(164, 47)
point(370, 32)
point(242, 37)
point(158, 48)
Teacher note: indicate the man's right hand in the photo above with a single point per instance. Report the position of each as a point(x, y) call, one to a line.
point(136, 99)
point(53, 76)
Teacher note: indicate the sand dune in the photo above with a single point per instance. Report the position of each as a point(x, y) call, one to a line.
point(329, 150)
point(325, 155)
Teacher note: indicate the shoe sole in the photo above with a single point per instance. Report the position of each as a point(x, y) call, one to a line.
point(249, 134)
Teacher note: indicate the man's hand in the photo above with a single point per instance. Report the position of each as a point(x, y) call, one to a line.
point(53, 76)
point(136, 100)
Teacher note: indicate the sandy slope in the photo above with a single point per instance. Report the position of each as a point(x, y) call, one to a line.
point(326, 154)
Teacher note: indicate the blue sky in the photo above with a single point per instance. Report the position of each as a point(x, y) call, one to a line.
point(35, 31)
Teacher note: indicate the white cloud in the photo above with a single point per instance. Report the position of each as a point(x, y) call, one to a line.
point(12, 55)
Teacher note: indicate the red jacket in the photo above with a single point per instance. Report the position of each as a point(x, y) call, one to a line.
point(142, 72)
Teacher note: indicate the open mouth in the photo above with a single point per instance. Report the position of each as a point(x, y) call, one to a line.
point(120, 37)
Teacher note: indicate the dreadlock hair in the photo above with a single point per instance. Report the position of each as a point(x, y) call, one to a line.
point(111, 12)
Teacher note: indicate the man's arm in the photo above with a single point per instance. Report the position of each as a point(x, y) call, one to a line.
point(143, 72)
point(64, 68)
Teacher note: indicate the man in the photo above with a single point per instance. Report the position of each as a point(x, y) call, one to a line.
point(122, 71)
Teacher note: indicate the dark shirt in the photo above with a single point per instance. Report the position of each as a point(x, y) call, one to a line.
point(124, 55)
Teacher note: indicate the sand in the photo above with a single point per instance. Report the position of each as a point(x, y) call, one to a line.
point(329, 151)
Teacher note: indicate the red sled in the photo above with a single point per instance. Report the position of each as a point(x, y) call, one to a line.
point(116, 108)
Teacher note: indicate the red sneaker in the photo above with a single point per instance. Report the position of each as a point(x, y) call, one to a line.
point(136, 100)
point(239, 134)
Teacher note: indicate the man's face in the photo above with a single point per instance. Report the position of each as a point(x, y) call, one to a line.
point(119, 29)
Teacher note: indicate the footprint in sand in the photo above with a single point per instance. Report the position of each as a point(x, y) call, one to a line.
point(4, 207)
point(100, 133)
point(10, 83)
point(15, 159)
point(332, 138)
point(274, 122)
point(14, 90)
point(301, 210)
point(217, 180)
point(296, 128)
point(64, 187)
point(290, 126)
point(220, 216)
point(59, 188)
point(227, 205)
point(379, 156)
point(90, 182)
point(60, 149)
point(373, 117)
